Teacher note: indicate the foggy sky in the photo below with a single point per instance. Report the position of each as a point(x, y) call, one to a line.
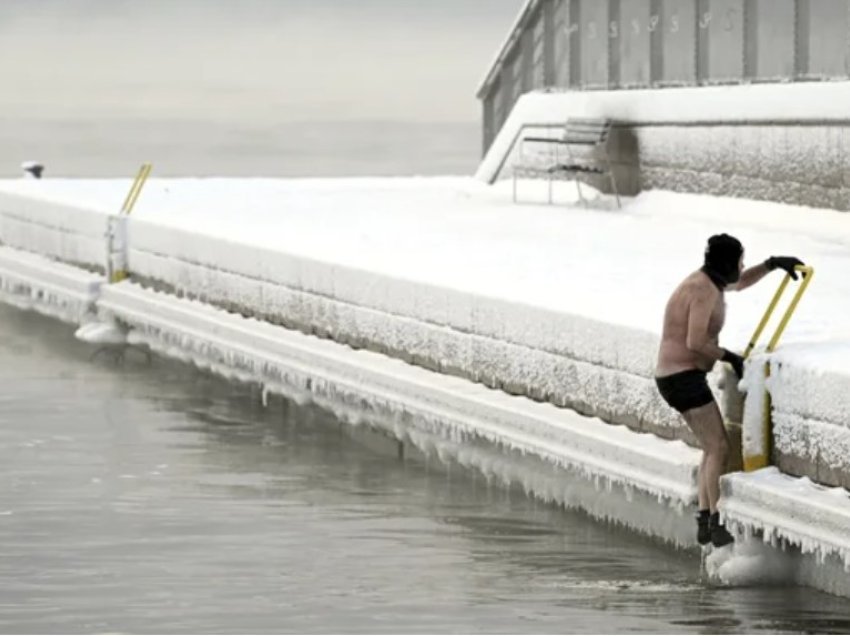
point(292, 60)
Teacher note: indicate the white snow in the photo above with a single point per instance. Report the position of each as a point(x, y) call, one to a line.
point(561, 298)
point(459, 236)
point(363, 241)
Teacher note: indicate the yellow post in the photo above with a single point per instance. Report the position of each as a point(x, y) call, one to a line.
point(761, 460)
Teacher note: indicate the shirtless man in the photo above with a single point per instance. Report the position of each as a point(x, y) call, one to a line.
point(689, 348)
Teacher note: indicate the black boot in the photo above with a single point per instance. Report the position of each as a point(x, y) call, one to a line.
point(719, 534)
point(703, 531)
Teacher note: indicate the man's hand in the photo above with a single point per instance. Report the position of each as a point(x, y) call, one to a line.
point(786, 263)
point(735, 360)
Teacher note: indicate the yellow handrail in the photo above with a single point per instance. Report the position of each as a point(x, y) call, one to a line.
point(755, 462)
point(136, 188)
point(116, 265)
point(807, 273)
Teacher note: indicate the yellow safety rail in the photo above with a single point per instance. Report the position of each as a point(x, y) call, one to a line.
point(755, 462)
point(116, 237)
point(135, 190)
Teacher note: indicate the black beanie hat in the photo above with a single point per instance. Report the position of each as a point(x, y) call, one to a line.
point(722, 255)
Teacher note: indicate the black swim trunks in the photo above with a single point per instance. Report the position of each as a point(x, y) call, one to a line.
point(685, 390)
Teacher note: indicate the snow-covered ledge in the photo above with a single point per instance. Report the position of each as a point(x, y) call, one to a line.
point(555, 318)
point(794, 512)
point(73, 234)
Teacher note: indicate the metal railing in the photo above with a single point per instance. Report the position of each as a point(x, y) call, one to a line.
point(618, 44)
point(756, 460)
point(116, 229)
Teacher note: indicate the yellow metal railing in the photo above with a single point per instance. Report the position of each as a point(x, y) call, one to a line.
point(136, 188)
point(757, 461)
point(116, 265)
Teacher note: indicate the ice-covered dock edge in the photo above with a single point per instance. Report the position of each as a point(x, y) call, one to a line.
point(433, 367)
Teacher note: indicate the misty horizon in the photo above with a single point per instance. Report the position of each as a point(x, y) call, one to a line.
point(283, 88)
point(292, 60)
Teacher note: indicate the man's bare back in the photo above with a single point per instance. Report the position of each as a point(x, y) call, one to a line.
point(693, 319)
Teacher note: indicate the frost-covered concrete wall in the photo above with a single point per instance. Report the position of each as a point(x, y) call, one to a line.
point(781, 142)
point(811, 421)
point(794, 163)
point(801, 164)
point(67, 233)
point(592, 367)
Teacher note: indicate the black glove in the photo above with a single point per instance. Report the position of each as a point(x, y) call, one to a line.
point(787, 263)
point(735, 360)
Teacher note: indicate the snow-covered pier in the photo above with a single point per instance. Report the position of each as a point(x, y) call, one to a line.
point(497, 335)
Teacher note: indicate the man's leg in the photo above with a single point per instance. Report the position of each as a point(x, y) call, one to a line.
point(703, 514)
point(702, 488)
point(707, 424)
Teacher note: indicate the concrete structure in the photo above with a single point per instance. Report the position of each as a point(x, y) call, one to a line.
point(433, 340)
point(588, 46)
point(608, 44)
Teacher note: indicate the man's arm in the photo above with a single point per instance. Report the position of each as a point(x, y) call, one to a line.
point(753, 275)
point(750, 277)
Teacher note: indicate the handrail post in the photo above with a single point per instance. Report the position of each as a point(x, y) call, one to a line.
point(116, 229)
